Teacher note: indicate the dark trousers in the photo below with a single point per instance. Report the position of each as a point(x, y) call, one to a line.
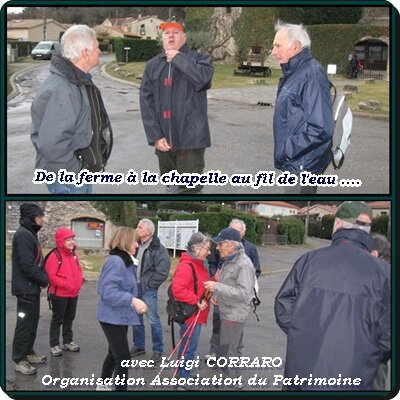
point(64, 310)
point(118, 350)
point(184, 161)
point(28, 311)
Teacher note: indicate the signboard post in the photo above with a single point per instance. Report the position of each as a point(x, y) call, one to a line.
point(126, 54)
point(176, 234)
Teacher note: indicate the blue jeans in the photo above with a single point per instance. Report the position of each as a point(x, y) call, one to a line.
point(58, 188)
point(191, 348)
point(149, 296)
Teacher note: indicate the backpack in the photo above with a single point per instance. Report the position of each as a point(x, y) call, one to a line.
point(94, 157)
point(180, 311)
point(343, 118)
point(59, 259)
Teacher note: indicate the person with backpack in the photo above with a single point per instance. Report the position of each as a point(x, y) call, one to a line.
point(66, 279)
point(188, 287)
point(303, 122)
point(70, 126)
point(233, 292)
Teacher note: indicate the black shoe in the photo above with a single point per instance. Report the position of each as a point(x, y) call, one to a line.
point(156, 357)
point(137, 352)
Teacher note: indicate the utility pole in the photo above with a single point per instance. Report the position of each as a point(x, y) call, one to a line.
point(44, 24)
point(307, 221)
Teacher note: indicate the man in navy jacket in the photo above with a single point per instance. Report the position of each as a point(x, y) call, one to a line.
point(334, 307)
point(173, 104)
point(303, 121)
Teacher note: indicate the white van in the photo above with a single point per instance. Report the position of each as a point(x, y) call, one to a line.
point(44, 50)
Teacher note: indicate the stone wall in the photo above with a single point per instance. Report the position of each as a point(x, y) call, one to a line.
point(57, 214)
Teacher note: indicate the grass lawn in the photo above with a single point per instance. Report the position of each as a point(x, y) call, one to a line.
point(223, 75)
point(378, 90)
point(224, 78)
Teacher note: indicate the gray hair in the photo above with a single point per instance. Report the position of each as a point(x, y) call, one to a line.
point(238, 221)
point(350, 225)
point(76, 39)
point(196, 241)
point(295, 33)
point(148, 224)
point(382, 246)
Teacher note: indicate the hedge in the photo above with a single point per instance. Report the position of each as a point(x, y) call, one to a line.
point(24, 48)
point(331, 44)
point(141, 50)
point(380, 225)
point(211, 223)
point(293, 228)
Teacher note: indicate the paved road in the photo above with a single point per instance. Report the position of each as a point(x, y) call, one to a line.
point(241, 140)
point(262, 338)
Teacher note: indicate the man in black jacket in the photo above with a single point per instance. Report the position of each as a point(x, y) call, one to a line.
point(152, 271)
point(334, 307)
point(173, 104)
point(28, 275)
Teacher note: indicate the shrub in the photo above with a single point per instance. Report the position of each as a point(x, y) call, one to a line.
point(140, 50)
point(380, 225)
point(293, 228)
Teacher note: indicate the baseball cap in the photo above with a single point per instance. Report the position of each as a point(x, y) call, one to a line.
point(350, 210)
point(173, 22)
point(227, 234)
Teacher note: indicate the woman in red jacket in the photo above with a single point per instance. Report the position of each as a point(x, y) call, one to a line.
point(66, 278)
point(183, 289)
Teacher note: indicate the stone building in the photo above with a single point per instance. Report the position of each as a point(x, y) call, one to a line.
point(93, 230)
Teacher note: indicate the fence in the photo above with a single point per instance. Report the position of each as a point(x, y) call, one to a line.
point(275, 239)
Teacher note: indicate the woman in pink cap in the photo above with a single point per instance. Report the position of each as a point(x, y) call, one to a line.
point(66, 279)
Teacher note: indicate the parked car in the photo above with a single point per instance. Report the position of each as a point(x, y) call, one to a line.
point(44, 50)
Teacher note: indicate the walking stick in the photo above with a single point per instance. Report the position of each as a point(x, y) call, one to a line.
point(193, 325)
point(177, 346)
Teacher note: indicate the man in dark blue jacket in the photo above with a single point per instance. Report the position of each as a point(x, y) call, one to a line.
point(303, 121)
point(173, 104)
point(334, 307)
point(28, 275)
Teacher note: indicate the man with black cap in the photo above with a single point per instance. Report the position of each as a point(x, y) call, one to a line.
point(173, 104)
point(334, 307)
point(28, 275)
point(233, 292)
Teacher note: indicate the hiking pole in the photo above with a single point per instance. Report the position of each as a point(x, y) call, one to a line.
point(177, 346)
point(193, 325)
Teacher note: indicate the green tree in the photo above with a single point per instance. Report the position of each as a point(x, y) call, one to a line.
point(120, 213)
point(319, 15)
point(254, 27)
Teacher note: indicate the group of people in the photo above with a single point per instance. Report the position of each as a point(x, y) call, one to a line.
point(334, 305)
point(173, 103)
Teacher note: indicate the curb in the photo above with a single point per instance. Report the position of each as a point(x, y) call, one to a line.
point(15, 86)
point(108, 76)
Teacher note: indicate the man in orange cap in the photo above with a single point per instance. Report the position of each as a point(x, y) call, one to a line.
point(173, 103)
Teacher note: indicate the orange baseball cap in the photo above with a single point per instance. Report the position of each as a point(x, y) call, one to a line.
point(173, 23)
